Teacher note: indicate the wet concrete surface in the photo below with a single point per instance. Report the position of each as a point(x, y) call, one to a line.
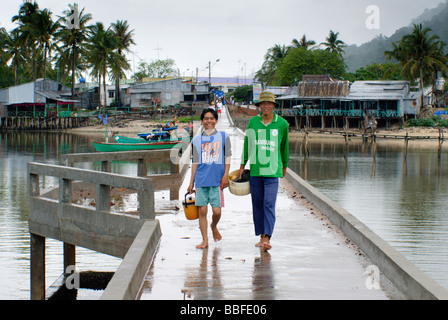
point(310, 258)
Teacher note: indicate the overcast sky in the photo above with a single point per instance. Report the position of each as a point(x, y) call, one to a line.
point(237, 32)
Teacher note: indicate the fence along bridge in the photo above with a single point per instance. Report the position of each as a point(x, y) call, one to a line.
point(133, 237)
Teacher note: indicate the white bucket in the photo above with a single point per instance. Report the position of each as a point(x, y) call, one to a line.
point(238, 188)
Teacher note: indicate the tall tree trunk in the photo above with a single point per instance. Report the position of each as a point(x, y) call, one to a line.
point(105, 91)
point(73, 70)
point(34, 68)
point(117, 86)
point(99, 93)
point(16, 81)
point(45, 62)
point(421, 87)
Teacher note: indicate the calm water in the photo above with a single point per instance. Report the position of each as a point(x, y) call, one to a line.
point(16, 150)
point(403, 200)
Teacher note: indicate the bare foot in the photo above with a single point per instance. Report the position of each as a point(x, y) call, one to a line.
point(266, 243)
point(216, 235)
point(266, 246)
point(260, 243)
point(202, 245)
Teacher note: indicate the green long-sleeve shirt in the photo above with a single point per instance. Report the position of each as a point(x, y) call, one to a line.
point(266, 146)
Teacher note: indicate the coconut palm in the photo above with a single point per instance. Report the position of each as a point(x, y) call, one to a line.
point(42, 28)
point(13, 51)
point(26, 10)
point(333, 44)
point(273, 58)
point(303, 43)
point(420, 55)
point(102, 55)
point(73, 42)
point(26, 38)
point(125, 40)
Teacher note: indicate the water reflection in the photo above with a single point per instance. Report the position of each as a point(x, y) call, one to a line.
point(204, 282)
point(263, 282)
point(16, 150)
point(400, 197)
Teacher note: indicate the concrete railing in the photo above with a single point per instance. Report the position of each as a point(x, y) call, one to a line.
point(142, 157)
point(407, 278)
point(98, 228)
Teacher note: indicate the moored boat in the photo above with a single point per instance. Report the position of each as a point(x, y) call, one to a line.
point(115, 147)
point(123, 139)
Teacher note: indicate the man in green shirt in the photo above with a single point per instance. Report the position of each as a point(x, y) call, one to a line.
point(266, 146)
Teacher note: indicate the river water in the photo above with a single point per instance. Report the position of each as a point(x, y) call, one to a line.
point(16, 150)
point(401, 199)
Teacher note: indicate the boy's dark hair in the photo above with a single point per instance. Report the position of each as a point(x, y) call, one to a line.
point(215, 114)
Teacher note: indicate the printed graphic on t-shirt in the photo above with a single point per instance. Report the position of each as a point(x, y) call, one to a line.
point(210, 151)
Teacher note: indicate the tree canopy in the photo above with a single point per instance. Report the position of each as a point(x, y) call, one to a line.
point(301, 61)
point(157, 69)
point(42, 45)
point(285, 65)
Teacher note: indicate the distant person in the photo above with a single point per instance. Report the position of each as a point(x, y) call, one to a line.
point(266, 145)
point(210, 173)
point(219, 107)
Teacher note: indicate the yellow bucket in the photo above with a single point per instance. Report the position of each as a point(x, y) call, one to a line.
point(190, 209)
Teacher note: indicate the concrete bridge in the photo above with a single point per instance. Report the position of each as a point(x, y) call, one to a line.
point(320, 251)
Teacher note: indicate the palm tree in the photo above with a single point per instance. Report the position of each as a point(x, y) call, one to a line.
point(125, 40)
point(273, 58)
point(26, 10)
point(333, 44)
point(102, 55)
point(13, 51)
point(420, 55)
point(26, 38)
point(42, 28)
point(74, 41)
point(303, 43)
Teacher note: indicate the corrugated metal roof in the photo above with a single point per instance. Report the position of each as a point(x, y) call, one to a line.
point(54, 96)
point(359, 90)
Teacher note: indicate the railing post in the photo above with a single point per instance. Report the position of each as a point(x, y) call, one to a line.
point(69, 255)
point(146, 201)
point(102, 197)
point(106, 166)
point(65, 191)
point(34, 184)
point(142, 168)
point(37, 268)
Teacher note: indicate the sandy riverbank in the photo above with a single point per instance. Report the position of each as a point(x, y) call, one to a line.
point(134, 126)
point(411, 132)
point(137, 126)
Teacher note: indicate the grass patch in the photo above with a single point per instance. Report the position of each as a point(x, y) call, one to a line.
point(430, 122)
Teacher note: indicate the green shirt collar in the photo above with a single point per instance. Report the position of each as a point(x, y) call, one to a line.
point(273, 120)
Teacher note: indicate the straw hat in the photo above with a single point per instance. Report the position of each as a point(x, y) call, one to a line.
point(266, 96)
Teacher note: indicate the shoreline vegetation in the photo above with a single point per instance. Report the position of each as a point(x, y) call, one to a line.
point(139, 126)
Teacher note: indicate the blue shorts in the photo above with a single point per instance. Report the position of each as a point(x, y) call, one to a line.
point(212, 195)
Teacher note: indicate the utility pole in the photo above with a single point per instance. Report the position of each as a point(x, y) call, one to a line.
point(209, 75)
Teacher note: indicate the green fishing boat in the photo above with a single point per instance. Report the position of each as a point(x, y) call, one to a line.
point(123, 139)
point(115, 147)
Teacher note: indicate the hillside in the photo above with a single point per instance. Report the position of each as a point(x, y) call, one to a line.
point(373, 51)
